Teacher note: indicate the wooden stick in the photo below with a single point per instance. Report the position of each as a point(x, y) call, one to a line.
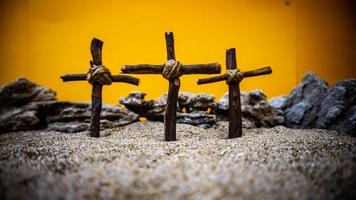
point(96, 98)
point(210, 68)
point(115, 78)
point(258, 72)
point(235, 120)
point(224, 77)
point(172, 98)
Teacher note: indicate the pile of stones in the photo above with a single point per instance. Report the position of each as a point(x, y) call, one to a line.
point(201, 109)
point(313, 104)
point(25, 105)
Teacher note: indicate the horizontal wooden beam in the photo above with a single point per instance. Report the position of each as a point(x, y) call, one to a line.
point(115, 78)
point(224, 77)
point(210, 68)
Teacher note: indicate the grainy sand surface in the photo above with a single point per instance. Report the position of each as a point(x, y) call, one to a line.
point(133, 162)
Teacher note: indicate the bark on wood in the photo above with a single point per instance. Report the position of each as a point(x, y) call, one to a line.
point(210, 68)
point(235, 120)
point(115, 78)
point(172, 98)
point(96, 98)
point(224, 77)
point(258, 72)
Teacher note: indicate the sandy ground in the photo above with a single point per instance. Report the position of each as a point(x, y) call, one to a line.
point(133, 162)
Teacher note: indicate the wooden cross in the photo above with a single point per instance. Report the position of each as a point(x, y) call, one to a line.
point(174, 83)
point(96, 95)
point(233, 80)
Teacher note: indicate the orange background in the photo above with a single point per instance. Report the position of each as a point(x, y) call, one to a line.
point(43, 39)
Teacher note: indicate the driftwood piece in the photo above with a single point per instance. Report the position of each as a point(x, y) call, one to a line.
point(210, 68)
point(224, 77)
point(235, 114)
point(115, 78)
point(174, 84)
point(96, 95)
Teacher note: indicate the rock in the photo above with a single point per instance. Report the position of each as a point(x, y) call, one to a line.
point(20, 119)
point(312, 104)
point(25, 105)
point(78, 115)
point(158, 110)
point(256, 112)
point(68, 127)
point(61, 116)
point(196, 102)
point(22, 91)
point(80, 126)
point(338, 109)
point(197, 118)
point(135, 102)
point(195, 105)
point(278, 102)
point(303, 103)
point(223, 105)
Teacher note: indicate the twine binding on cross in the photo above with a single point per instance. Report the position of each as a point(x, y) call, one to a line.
point(234, 76)
point(172, 69)
point(99, 74)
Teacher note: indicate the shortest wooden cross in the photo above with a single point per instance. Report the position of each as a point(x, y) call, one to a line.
point(233, 77)
point(98, 76)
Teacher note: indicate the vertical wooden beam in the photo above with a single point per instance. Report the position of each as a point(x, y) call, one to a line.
point(96, 97)
point(235, 120)
point(173, 90)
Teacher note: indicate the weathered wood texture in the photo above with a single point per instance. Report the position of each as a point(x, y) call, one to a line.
point(96, 95)
point(96, 98)
point(210, 68)
point(224, 77)
point(172, 98)
point(235, 114)
point(174, 84)
point(235, 120)
point(115, 78)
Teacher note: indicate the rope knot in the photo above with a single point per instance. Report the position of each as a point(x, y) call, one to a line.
point(172, 69)
point(99, 74)
point(234, 76)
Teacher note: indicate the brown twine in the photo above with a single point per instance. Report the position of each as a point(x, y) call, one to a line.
point(99, 74)
point(234, 76)
point(172, 69)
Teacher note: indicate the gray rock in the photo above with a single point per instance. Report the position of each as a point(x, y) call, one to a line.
point(256, 111)
point(20, 119)
point(278, 102)
point(196, 102)
point(55, 114)
point(338, 109)
point(313, 105)
point(136, 102)
point(195, 105)
point(303, 103)
point(61, 111)
point(80, 126)
point(197, 118)
point(22, 91)
point(158, 110)
point(223, 105)
point(68, 127)
point(25, 105)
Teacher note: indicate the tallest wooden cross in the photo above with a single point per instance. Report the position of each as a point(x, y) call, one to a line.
point(172, 70)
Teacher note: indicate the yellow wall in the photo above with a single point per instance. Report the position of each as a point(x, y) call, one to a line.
point(42, 39)
point(326, 38)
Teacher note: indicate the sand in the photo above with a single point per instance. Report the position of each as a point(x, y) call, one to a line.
point(133, 162)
